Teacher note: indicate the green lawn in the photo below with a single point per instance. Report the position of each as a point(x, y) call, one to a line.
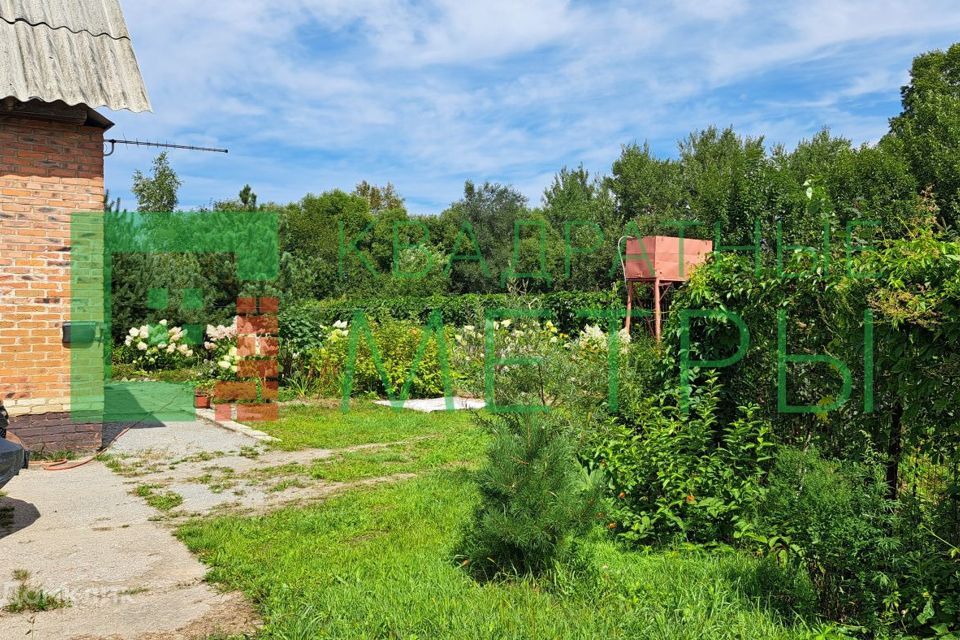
point(377, 562)
point(329, 427)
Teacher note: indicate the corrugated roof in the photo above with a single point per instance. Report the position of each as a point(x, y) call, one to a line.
point(77, 51)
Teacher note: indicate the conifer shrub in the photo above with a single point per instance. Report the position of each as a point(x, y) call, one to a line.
point(534, 498)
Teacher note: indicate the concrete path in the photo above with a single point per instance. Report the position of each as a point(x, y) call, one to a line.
point(81, 535)
point(84, 535)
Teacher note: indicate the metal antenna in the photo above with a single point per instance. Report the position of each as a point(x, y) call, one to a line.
point(114, 142)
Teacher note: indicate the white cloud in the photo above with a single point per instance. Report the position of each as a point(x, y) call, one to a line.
point(313, 94)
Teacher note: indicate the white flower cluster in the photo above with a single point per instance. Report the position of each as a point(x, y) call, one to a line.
point(592, 336)
point(340, 330)
point(159, 339)
point(229, 360)
point(217, 334)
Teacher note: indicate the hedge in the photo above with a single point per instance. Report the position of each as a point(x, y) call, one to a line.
point(300, 324)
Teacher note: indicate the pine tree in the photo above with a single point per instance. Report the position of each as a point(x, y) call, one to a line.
point(535, 497)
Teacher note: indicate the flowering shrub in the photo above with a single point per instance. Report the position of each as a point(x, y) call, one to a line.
point(567, 366)
point(153, 347)
point(512, 338)
point(221, 348)
point(593, 339)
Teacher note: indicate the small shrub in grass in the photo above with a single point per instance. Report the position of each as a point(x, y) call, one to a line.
point(161, 500)
point(535, 498)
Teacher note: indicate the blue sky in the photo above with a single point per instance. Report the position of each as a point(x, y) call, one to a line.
point(311, 95)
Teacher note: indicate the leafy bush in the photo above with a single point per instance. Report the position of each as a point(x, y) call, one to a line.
point(326, 369)
point(535, 498)
point(513, 339)
point(692, 479)
point(836, 520)
point(927, 600)
point(300, 324)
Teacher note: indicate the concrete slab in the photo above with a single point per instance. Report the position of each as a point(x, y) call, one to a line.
point(180, 439)
point(83, 536)
point(209, 415)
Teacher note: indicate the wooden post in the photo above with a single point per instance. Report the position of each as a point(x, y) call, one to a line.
point(656, 308)
point(629, 303)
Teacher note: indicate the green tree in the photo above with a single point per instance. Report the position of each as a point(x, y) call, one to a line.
point(488, 212)
point(928, 129)
point(645, 188)
point(379, 198)
point(534, 498)
point(157, 192)
point(248, 199)
point(328, 238)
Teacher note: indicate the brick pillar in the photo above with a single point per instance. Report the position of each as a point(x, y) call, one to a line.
point(49, 169)
point(257, 345)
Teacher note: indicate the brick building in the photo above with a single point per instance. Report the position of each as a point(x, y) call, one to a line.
point(59, 60)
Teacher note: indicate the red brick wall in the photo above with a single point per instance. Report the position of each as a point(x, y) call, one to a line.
point(48, 170)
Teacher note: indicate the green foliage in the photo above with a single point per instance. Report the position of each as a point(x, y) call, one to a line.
point(488, 213)
point(327, 368)
point(299, 322)
point(928, 129)
point(534, 498)
point(540, 344)
point(157, 193)
point(158, 498)
point(379, 198)
point(683, 478)
point(835, 518)
point(311, 235)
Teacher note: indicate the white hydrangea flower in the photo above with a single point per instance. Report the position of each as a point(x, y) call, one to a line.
point(163, 323)
point(134, 332)
point(142, 346)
